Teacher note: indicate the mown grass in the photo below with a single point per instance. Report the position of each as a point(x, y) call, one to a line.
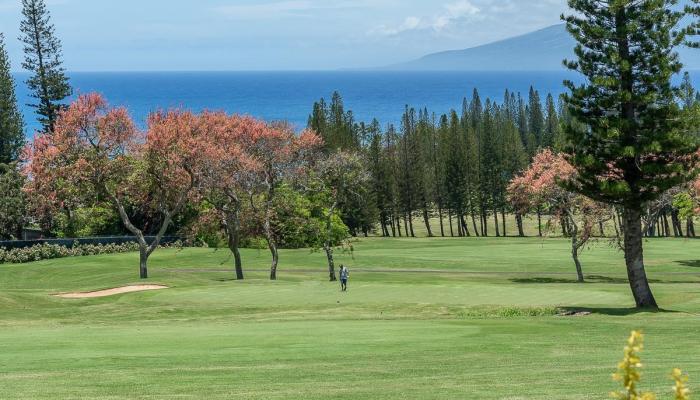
point(424, 319)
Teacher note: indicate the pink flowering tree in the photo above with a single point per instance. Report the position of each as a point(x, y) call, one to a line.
point(280, 154)
point(541, 186)
point(228, 172)
point(97, 149)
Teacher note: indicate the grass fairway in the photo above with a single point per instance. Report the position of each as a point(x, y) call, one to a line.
point(424, 319)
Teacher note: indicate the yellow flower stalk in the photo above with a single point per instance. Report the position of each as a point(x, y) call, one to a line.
point(628, 370)
point(629, 373)
point(680, 390)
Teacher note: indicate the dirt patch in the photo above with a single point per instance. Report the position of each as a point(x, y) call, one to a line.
point(575, 314)
point(110, 292)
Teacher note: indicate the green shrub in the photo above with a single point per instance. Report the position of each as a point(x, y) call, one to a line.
point(50, 251)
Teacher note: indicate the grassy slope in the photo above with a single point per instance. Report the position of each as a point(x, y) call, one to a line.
point(394, 335)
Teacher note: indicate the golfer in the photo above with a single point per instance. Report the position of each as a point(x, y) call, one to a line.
point(344, 274)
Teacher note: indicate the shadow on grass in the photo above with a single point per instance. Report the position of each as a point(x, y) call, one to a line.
point(620, 312)
point(690, 263)
point(589, 279)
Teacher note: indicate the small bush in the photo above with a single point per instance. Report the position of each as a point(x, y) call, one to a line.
point(50, 251)
point(509, 312)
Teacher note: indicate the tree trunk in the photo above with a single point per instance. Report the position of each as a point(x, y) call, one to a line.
point(667, 227)
point(676, 222)
point(382, 217)
point(539, 221)
point(634, 259)
point(269, 237)
point(579, 270)
point(690, 227)
point(449, 217)
point(143, 262)
point(465, 227)
point(503, 221)
point(519, 223)
point(574, 251)
point(426, 220)
point(273, 251)
point(145, 249)
point(495, 223)
point(327, 245)
point(442, 224)
point(476, 231)
point(410, 224)
point(232, 225)
point(331, 263)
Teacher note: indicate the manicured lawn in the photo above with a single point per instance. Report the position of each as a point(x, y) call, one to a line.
point(424, 319)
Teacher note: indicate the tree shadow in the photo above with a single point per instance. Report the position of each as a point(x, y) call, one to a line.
point(543, 280)
point(589, 279)
point(615, 312)
point(225, 279)
point(690, 263)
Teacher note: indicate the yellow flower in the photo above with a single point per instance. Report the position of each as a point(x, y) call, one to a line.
point(680, 390)
point(629, 374)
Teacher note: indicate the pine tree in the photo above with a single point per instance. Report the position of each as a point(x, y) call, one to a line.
point(523, 127)
point(536, 121)
point(687, 91)
point(552, 129)
point(11, 124)
point(48, 82)
point(635, 145)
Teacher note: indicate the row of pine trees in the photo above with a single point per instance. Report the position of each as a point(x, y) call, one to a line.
point(450, 172)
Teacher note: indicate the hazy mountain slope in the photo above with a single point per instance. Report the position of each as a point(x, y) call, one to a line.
point(542, 50)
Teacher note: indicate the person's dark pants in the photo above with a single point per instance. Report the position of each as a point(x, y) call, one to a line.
point(344, 284)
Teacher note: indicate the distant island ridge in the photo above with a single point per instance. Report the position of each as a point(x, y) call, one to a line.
point(541, 50)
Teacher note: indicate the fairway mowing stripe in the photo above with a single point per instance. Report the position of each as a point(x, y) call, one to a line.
point(404, 271)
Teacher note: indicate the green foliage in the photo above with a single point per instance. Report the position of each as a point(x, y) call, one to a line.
point(685, 205)
point(11, 123)
point(13, 202)
point(300, 222)
point(97, 220)
point(50, 251)
point(636, 130)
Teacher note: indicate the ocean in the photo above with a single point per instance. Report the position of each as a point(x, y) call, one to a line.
point(290, 95)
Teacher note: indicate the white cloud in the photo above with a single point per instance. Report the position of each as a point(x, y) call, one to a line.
point(452, 13)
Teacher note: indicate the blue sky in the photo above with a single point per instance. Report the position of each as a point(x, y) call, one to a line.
point(144, 35)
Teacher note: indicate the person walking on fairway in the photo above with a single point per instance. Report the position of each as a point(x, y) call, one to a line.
point(344, 274)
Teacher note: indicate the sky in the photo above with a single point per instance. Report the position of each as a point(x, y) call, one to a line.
point(235, 35)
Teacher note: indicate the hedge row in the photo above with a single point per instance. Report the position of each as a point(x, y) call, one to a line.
point(51, 251)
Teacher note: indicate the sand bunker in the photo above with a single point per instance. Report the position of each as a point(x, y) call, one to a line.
point(110, 292)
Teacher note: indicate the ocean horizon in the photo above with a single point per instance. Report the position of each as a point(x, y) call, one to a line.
point(289, 95)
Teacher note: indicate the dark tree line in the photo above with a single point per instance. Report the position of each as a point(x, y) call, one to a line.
point(453, 168)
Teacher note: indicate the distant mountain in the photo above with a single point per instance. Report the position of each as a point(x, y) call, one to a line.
point(542, 50)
